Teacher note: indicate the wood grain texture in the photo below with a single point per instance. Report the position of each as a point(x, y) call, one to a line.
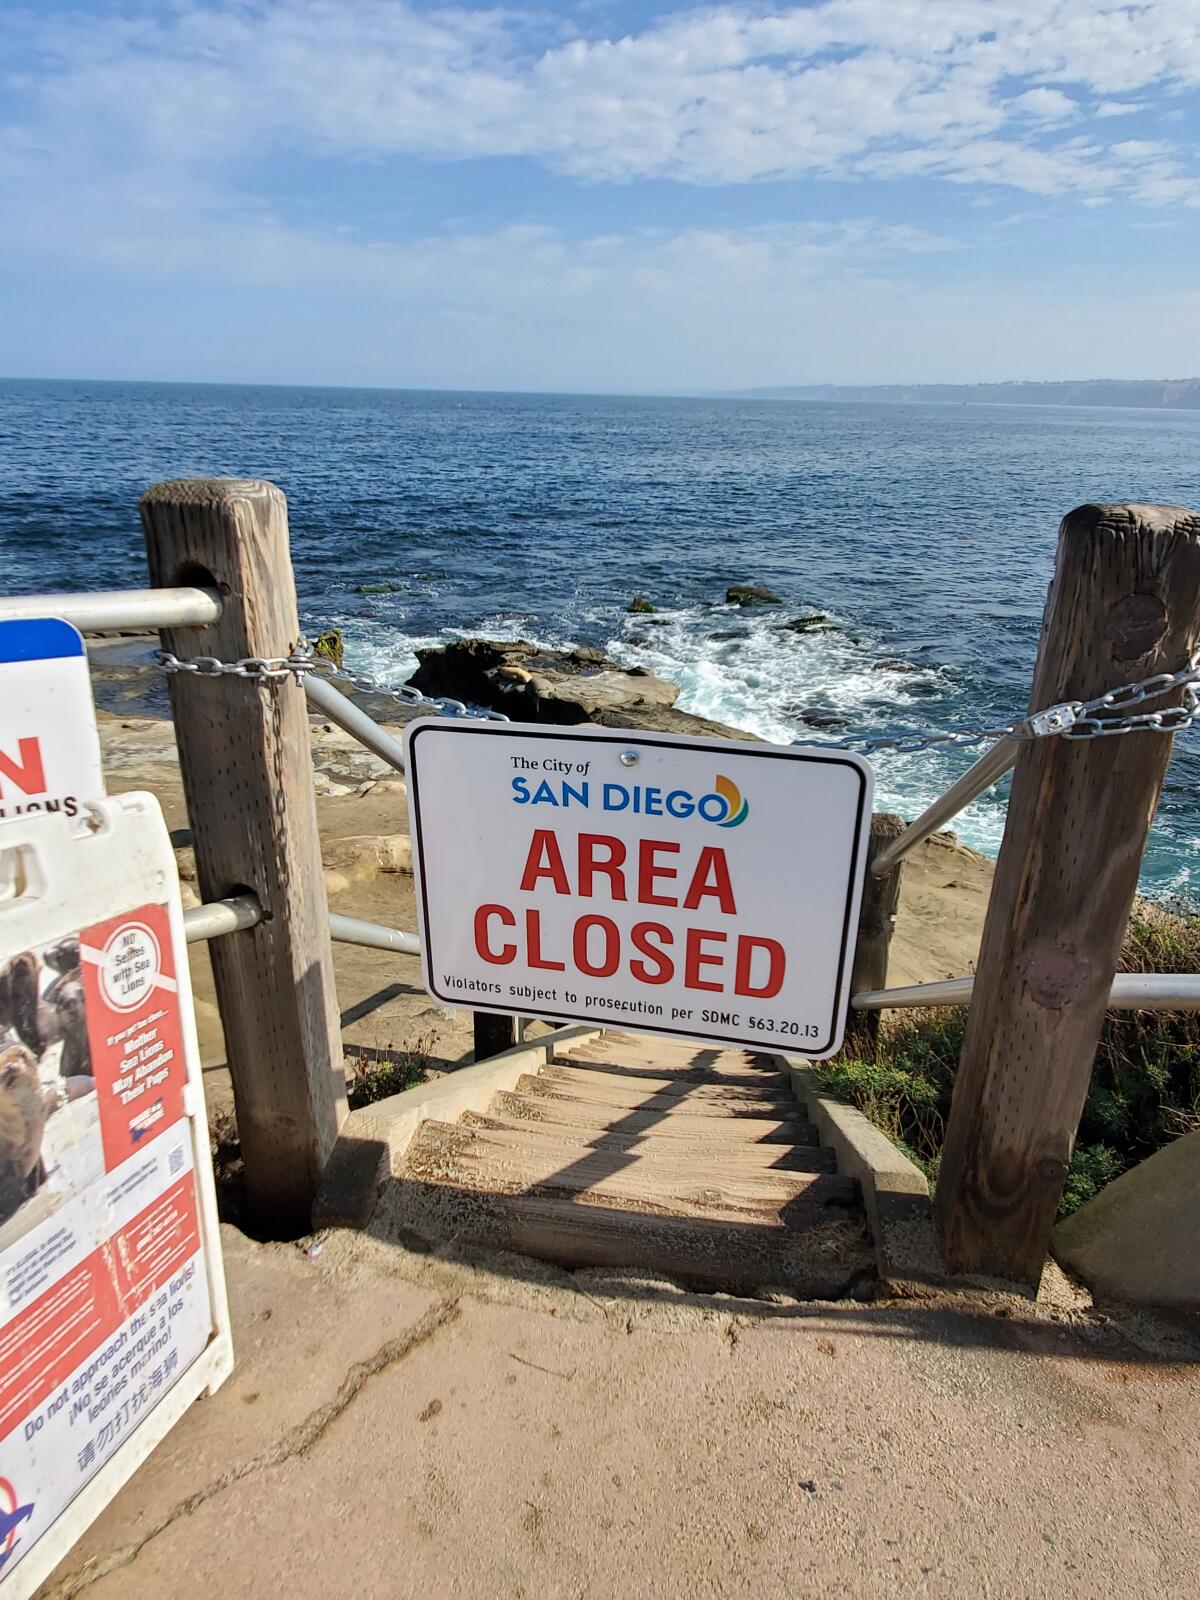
point(698, 1150)
point(247, 773)
point(702, 1102)
point(876, 924)
point(1124, 603)
point(508, 1163)
point(767, 1129)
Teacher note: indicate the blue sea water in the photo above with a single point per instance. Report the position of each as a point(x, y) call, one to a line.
point(926, 533)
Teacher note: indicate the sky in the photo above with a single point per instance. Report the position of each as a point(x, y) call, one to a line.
point(600, 196)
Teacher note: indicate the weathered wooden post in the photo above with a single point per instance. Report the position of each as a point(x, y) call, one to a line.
point(248, 777)
point(494, 1034)
point(876, 924)
point(1124, 603)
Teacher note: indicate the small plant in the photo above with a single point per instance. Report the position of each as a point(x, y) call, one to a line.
point(1145, 1088)
point(373, 1075)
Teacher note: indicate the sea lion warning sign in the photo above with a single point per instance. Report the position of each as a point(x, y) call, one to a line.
point(691, 887)
point(112, 1304)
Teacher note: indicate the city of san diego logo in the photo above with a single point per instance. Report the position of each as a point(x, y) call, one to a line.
point(724, 805)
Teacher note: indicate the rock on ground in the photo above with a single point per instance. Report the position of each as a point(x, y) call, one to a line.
point(1137, 1240)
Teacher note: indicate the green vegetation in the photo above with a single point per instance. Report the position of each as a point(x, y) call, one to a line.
point(1145, 1088)
point(375, 1074)
point(330, 645)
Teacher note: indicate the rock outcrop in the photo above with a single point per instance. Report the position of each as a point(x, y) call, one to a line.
point(751, 594)
point(530, 684)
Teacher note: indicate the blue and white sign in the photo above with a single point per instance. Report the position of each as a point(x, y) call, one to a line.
point(49, 747)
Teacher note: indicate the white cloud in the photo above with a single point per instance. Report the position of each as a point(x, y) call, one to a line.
point(1117, 108)
point(523, 307)
point(146, 145)
point(721, 95)
point(1049, 104)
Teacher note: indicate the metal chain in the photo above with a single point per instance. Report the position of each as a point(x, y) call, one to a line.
point(1071, 719)
point(274, 669)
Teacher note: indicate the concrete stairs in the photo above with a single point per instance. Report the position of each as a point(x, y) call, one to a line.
point(632, 1152)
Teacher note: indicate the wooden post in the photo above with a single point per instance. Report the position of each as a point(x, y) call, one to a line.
point(248, 777)
point(494, 1034)
point(1124, 603)
point(876, 924)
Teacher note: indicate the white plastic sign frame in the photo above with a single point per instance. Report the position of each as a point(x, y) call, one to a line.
point(49, 746)
point(702, 889)
point(121, 1220)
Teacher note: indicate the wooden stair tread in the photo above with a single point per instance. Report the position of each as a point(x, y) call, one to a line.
point(747, 1076)
point(669, 1071)
point(792, 1129)
point(682, 1147)
point(738, 1255)
point(739, 1062)
point(618, 1096)
point(472, 1158)
point(646, 1155)
point(632, 1043)
point(702, 1088)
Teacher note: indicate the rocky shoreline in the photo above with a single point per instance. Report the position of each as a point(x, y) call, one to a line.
point(531, 684)
point(362, 803)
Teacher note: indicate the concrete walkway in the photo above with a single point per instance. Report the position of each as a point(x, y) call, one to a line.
point(406, 1425)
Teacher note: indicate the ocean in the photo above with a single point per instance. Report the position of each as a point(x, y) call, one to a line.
point(925, 534)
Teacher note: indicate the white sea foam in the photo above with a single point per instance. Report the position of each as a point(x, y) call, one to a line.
point(761, 681)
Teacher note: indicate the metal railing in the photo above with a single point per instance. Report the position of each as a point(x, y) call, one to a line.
point(112, 610)
point(217, 917)
point(976, 780)
point(108, 611)
point(1066, 815)
point(1130, 991)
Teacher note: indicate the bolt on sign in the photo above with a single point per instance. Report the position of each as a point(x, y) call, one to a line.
point(697, 888)
point(112, 1300)
point(49, 748)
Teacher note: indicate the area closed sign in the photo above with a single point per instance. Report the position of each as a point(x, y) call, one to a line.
point(699, 888)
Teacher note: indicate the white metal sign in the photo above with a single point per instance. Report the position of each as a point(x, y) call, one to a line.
point(693, 887)
point(49, 748)
point(112, 1300)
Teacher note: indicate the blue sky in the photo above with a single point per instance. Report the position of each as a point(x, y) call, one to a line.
point(600, 196)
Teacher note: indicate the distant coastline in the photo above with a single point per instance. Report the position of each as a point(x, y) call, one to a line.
point(1174, 394)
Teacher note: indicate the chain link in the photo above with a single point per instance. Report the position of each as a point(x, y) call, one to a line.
point(1072, 719)
point(301, 663)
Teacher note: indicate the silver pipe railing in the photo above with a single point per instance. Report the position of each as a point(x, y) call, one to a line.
point(980, 776)
point(1131, 991)
point(218, 917)
point(107, 610)
point(353, 930)
point(332, 703)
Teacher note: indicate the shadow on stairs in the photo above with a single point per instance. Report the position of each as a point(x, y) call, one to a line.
point(640, 1153)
